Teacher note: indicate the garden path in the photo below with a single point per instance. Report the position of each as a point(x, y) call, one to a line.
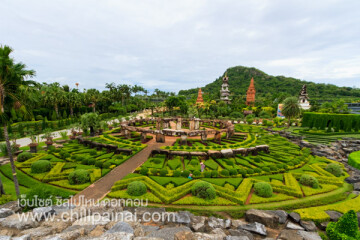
point(100, 188)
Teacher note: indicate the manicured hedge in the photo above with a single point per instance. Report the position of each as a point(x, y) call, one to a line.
point(203, 190)
point(41, 166)
point(263, 189)
point(22, 157)
point(136, 188)
point(79, 176)
point(354, 159)
point(345, 122)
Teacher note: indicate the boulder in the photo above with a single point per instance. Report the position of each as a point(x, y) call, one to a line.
point(23, 237)
point(5, 212)
point(214, 154)
point(38, 232)
point(116, 236)
point(264, 217)
point(308, 226)
point(255, 228)
point(237, 222)
point(218, 232)
point(41, 213)
point(197, 236)
point(93, 220)
point(121, 227)
point(283, 216)
point(309, 235)
point(197, 223)
point(323, 225)
point(147, 238)
point(236, 238)
point(240, 233)
point(295, 217)
point(227, 153)
point(5, 237)
point(294, 226)
point(14, 221)
point(168, 233)
point(334, 215)
point(213, 222)
point(289, 235)
point(183, 217)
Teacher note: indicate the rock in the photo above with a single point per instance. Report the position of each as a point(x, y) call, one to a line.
point(98, 231)
point(289, 235)
point(37, 232)
point(58, 225)
point(197, 236)
point(168, 233)
point(236, 223)
point(227, 153)
point(121, 227)
point(42, 212)
point(213, 222)
point(309, 235)
point(219, 232)
point(197, 223)
point(116, 236)
point(5, 212)
point(295, 217)
point(240, 233)
point(92, 220)
point(266, 218)
point(255, 228)
point(183, 217)
point(5, 237)
point(149, 229)
point(308, 225)
point(323, 225)
point(13, 205)
point(283, 216)
point(236, 238)
point(334, 215)
point(14, 221)
point(140, 211)
point(62, 208)
point(147, 238)
point(294, 226)
point(86, 229)
point(24, 237)
point(67, 235)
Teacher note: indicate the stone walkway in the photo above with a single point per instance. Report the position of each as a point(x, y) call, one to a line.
point(102, 187)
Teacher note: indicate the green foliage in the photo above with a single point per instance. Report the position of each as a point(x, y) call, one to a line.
point(225, 172)
point(41, 166)
point(203, 190)
point(309, 180)
point(22, 157)
point(99, 164)
point(79, 176)
point(345, 122)
point(136, 188)
point(185, 173)
point(291, 107)
point(263, 189)
point(90, 120)
point(346, 228)
point(163, 172)
point(176, 173)
point(334, 169)
point(38, 196)
point(106, 165)
point(354, 159)
point(144, 170)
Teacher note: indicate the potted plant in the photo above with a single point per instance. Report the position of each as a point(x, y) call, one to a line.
point(48, 135)
point(14, 137)
point(33, 145)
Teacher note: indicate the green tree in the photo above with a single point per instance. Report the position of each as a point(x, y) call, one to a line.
point(291, 108)
point(12, 77)
point(54, 95)
point(90, 120)
point(93, 96)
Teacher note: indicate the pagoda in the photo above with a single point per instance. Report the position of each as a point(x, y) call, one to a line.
point(224, 92)
point(250, 94)
point(199, 97)
point(304, 98)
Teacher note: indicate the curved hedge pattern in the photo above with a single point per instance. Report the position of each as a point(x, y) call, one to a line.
point(354, 159)
point(345, 122)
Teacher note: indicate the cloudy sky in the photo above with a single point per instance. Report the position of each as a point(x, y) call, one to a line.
point(175, 45)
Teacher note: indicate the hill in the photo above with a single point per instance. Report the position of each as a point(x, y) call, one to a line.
point(239, 80)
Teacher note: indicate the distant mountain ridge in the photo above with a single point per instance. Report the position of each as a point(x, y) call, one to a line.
point(240, 76)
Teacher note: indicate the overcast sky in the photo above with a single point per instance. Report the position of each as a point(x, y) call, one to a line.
point(173, 45)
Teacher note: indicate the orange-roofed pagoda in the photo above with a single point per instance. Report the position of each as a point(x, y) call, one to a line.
point(250, 94)
point(199, 98)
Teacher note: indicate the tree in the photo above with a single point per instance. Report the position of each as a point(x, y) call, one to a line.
point(176, 102)
point(54, 95)
point(291, 108)
point(90, 120)
point(73, 99)
point(93, 96)
point(12, 77)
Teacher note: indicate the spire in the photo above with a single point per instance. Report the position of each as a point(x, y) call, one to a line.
point(250, 94)
point(199, 98)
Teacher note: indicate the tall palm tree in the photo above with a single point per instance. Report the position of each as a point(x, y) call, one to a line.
point(291, 108)
point(12, 77)
point(93, 96)
point(55, 95)
point(73, 100)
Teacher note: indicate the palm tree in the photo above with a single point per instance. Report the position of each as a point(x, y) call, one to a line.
point(93, 96)
point(12, 77)
point(73, 100)
point(291, 108)
point(53, 94)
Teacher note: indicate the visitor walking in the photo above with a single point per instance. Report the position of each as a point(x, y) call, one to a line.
point(202, 166)
point(190, 176)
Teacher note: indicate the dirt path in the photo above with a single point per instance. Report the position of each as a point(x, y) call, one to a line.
point(100, 188)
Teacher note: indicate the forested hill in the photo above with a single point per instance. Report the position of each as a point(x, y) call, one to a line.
point(239, 80)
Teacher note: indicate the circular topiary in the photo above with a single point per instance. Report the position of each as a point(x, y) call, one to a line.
point(79, 176)
point(99, 164)
point(106, 165)
point(263, 189)
point(225, 172)
point(136, 188)
point(309, 180)
point(144, 171)
point(163, 172)
point(176, 173)
point(22, 157)
point(203, 190)
point(334, 169)
point(41, 166)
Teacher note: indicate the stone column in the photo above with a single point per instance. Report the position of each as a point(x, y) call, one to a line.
point(217, 137)
point(160, 137)
point(165, 124)
point(143, 137)
point(178, 124)
point(204, 136)
point(183, 140)
point(158, 124)
point(197, 124)
point(192, 125)
point(127, 134)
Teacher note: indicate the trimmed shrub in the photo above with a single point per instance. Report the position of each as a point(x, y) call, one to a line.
point(41, 166)
point(309, 180)
point(266, 169)
point(214, 174)
point(225, 172)
point(44, 196)
point(22, 157)
point(233, 172)
point(185, 173)
point(207, 174)
point(242, 172)
point(107, 165)
point(354, 159)
point(79, 176)
point(249, 171)
point(84, 161)
point(197, 173)
point(136, 188)
point(263, 189)
point(154, 171)
point(176, 173)
point(99, 164)
point(345, 228)
point(144, 171)
point(163, 172)
point(92, 152)
point(194, 162)
point(334, 169)
point(91, 161)
point(203, 190)
point(257, 170)
point(156, 160)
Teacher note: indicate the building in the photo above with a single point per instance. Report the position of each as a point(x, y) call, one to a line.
point(224, 92)
point(304, 98)
point(199, 97)
point(250, 94)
